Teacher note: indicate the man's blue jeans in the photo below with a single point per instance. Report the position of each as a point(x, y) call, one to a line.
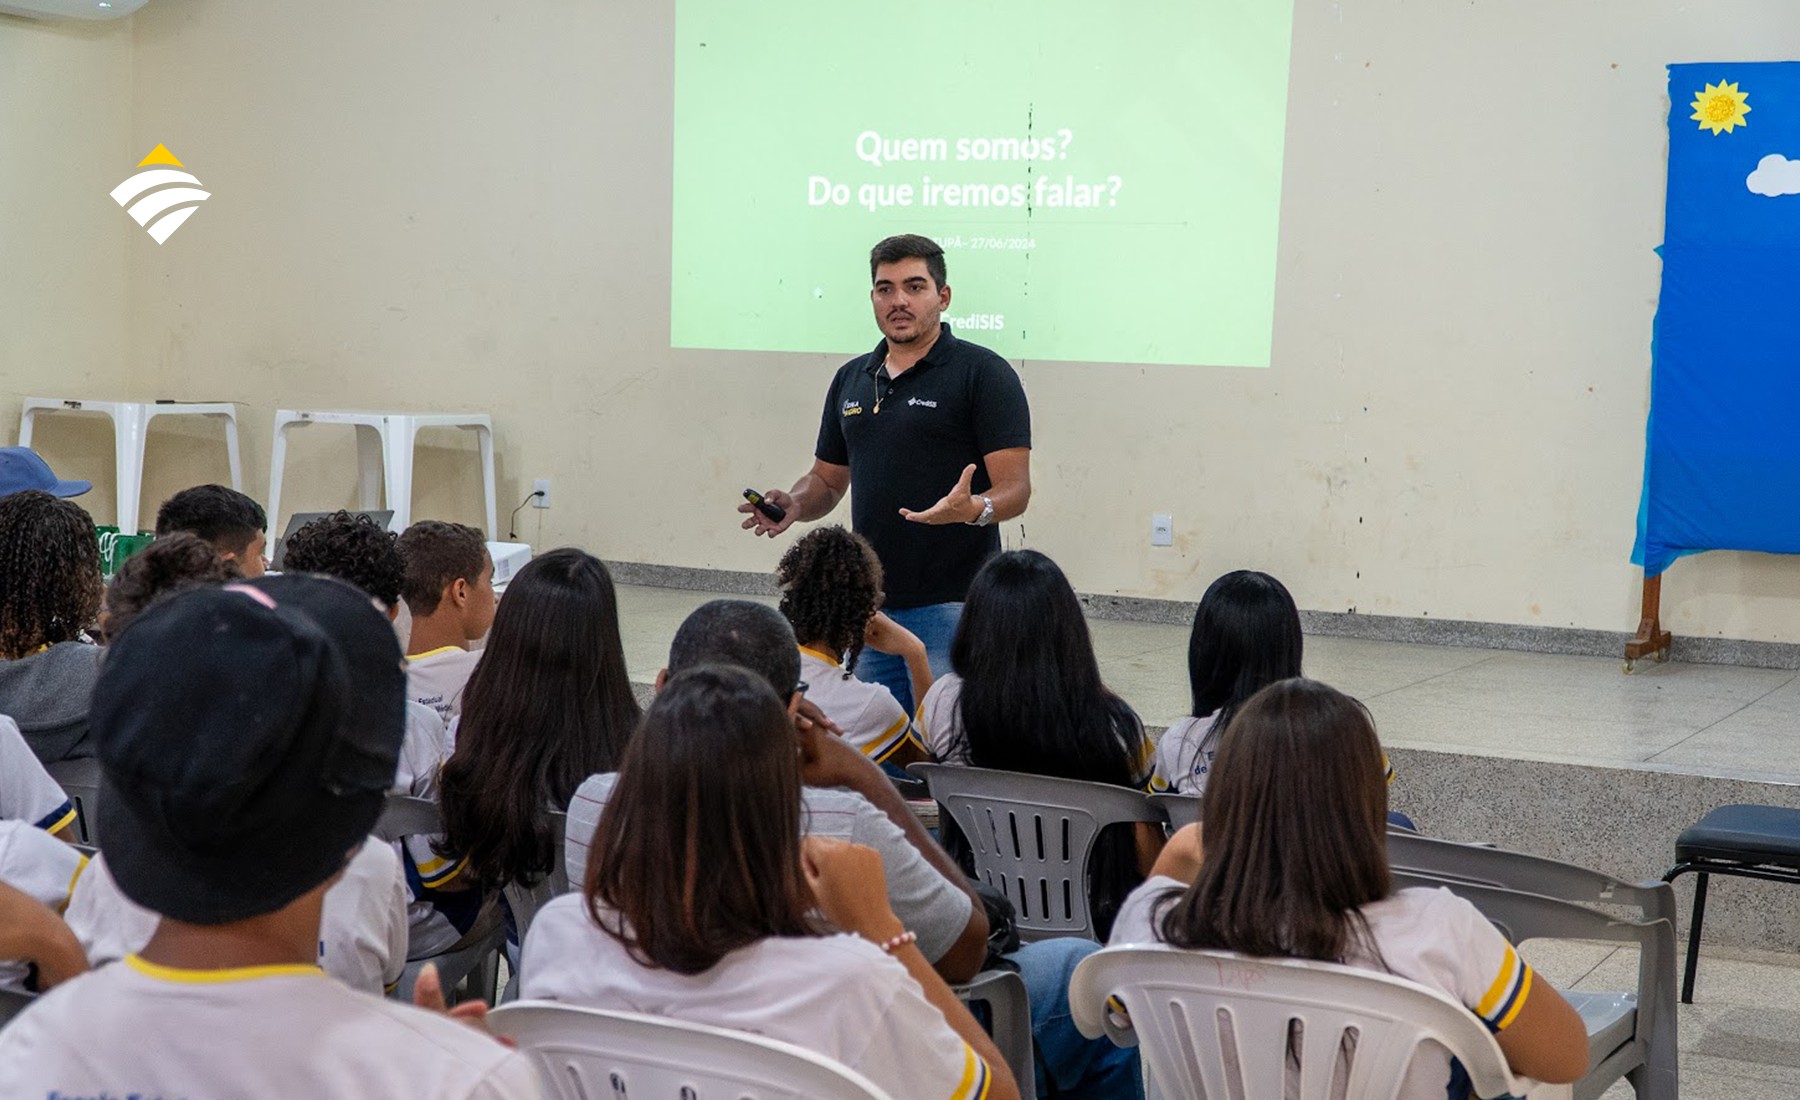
point(935, 625)
point(1070, 1065)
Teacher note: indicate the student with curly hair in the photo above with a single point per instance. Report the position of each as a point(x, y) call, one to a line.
point(831, 595)
point(352, 547)
point(234, 524)
point(449, 590)
point(173, 563)
point(49, 597)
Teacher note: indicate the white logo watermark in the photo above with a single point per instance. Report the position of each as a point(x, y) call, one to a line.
point(158, 198)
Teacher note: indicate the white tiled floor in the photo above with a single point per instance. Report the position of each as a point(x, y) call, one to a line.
point(1741, 1039)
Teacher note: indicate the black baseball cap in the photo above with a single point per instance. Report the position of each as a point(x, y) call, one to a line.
point(246, 736)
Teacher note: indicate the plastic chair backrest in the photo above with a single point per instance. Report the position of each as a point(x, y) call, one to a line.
point(1180, 1003)
point(11, 1004)
point(80, 781)
point(1450, 861)
point(594, 1054)
point(1032, 836)
point(1180, 809)
point(404, 815)
point(525, 901)
point(1009, 1015)
point(1651, 1040)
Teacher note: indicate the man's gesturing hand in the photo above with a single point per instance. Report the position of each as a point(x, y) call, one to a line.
point(763, 525)
point(956, 506)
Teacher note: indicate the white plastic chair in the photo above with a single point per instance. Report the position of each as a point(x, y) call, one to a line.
point(1630, 1034)
point(11, 1004)
point(524, 901)
point(1180, 809)
point(384, 452)
point(593, 1054)
point(131, 423)
point(1219, 1025)
point(1032, 837)
point(478, 960)
point(1009, 1018)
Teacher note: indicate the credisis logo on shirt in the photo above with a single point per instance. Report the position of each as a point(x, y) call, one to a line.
point(159, 198)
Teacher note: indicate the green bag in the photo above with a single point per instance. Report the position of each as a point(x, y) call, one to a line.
point(115, 548)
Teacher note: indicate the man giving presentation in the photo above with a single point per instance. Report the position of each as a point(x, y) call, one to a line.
point(922, 411)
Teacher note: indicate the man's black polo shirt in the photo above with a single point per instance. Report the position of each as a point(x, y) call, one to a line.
point(957, 404)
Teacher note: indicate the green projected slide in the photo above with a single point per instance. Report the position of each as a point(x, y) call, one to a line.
point(1105, 179)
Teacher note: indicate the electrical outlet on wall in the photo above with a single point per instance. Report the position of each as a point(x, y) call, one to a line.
point(1162, 529)
point(542, 488)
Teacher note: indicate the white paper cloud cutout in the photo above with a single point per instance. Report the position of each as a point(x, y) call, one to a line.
point(1775, 175)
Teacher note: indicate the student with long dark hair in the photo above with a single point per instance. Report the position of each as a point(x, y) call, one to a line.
point(1246, 635)
point(1026, 696)
point(548, 705)
point(1294, 865)
point(702, 904)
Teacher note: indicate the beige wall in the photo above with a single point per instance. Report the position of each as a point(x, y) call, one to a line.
point(422, 205)
point(65, 141)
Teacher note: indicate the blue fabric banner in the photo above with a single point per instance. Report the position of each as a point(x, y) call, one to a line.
point(1722, 449)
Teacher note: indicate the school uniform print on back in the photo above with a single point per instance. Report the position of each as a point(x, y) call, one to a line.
point(437, 678)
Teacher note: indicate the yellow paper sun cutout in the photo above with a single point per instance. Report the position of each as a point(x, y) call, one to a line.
point(1721, 107)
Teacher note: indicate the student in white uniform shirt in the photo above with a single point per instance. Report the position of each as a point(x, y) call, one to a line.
point(444, 910)
point(845, 795)
point(831, 595)
point(27, 793)
point(1295, 864)
point(709, 916)
point(449, 592)
point(43, 869)
point(243, 759)
point(362, 934)
point(358, 945)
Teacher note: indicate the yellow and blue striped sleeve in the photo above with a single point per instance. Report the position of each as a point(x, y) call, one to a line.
point(889, 740)
point(975, 1077)
point(1507, 994)
point(58, 819)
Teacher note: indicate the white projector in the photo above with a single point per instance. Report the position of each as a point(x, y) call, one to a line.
point(509, 558)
